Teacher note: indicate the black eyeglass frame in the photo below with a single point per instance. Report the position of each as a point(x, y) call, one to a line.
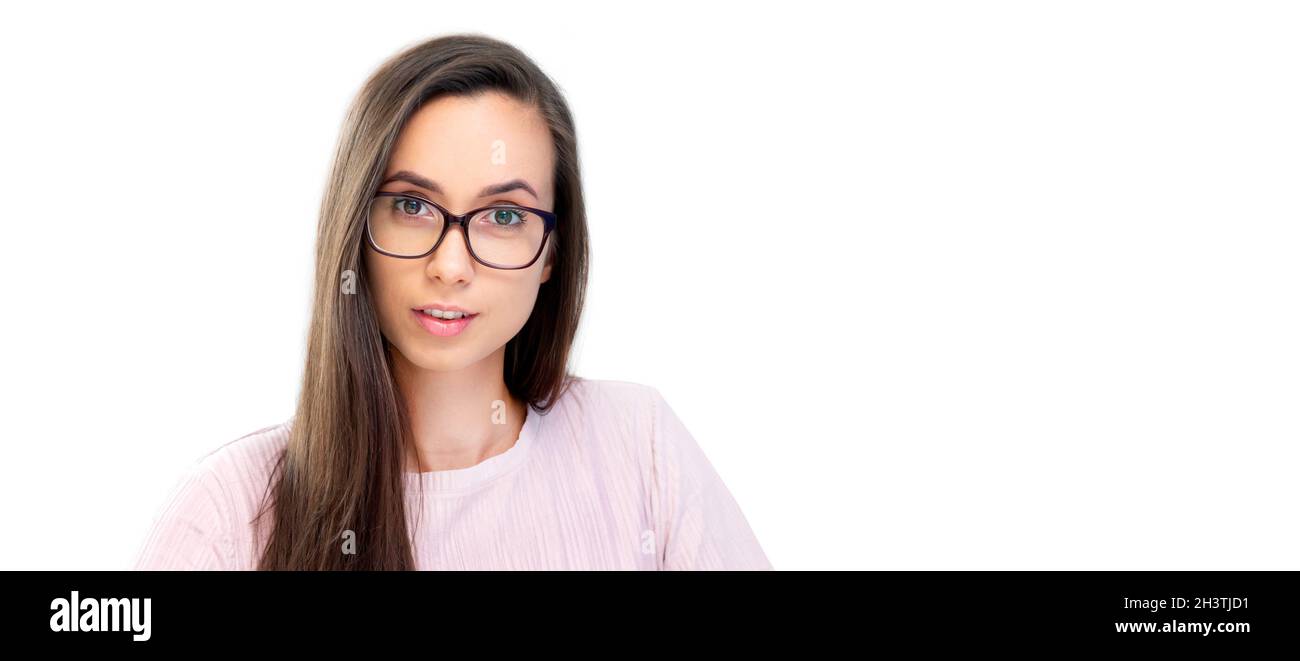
point(549, 220)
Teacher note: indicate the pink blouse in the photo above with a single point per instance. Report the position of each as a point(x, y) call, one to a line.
point(609, 478)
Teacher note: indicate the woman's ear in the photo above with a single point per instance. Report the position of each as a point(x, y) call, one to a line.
point(546, 270)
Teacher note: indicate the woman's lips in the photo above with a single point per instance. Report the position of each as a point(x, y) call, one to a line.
point(443, 327)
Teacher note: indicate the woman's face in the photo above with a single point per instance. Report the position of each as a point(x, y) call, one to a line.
point(452, 151)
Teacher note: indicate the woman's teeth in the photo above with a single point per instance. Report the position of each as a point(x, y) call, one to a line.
point(445, 315)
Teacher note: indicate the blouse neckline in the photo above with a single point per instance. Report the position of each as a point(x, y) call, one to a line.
point(463, 479)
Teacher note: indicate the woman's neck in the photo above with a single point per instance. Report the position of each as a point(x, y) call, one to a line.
point(458, 419)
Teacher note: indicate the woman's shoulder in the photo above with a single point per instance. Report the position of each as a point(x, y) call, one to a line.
point(588, 402)
point(242, 468)
point(607, 411)
point(206, 520)
point(612, 393)
point(247, 457)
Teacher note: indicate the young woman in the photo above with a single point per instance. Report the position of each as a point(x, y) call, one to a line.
point(438, 426)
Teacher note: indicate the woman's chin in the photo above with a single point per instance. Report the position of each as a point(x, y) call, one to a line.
point(441, 359)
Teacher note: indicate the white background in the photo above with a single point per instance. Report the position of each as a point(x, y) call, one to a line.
point(935, 285)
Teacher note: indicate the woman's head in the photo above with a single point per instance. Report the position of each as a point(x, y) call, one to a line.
point(461, 153)
point(463, 113)
point(454, 117)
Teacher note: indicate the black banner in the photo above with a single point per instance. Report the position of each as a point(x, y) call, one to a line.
point(140, 611)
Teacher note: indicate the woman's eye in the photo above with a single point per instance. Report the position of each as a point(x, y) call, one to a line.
point(507, 217)
point(409, 206)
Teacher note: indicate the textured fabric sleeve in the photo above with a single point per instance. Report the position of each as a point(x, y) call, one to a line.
point(701, 524)
point(189, 531)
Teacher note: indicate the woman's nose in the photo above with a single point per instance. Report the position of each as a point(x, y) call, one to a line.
point(451, 262)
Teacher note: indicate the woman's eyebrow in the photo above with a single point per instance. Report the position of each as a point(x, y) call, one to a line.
point(495, 189)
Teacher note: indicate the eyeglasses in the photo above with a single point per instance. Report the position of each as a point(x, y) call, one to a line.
point(500, 236)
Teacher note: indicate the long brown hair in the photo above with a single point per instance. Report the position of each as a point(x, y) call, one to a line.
point(342, 467)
